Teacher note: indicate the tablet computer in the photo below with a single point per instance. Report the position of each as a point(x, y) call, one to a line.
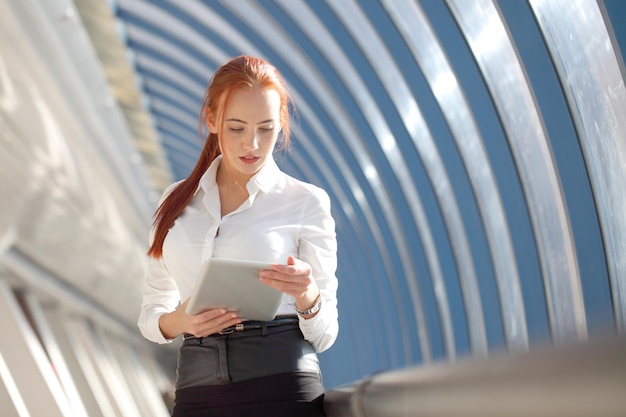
point(234, 284)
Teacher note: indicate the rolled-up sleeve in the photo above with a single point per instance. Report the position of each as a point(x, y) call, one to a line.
point(160, 293)
point(318, 247)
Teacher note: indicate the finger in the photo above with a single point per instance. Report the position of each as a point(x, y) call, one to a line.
point(214, 325)
point(295, 289)
point(278, 280)
point(283, 269)
point(214, 318)
point(300, 277)
point(294, 266)
point(286, 271)
point(228, 323)
point(227, 319)
point(210, 315)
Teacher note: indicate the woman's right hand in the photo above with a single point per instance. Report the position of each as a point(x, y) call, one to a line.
point(203, 324)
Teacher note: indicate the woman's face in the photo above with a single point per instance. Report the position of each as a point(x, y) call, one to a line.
point(250, 131)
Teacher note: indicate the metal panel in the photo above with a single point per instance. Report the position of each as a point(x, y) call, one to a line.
point(142, 389)
point(90, 368)
point(391, 77)
point(11, 401)
point(146, 381)
point(81, 368)
point(496, 56)
point(105, 366)
point(31, 275)
point(27, 362)
point(589, 70)
point(417, 32)
point(63, 177)
point(80, 73)
point(54, 352)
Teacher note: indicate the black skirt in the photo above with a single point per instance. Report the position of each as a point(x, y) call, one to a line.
point(298, 394)
point(270, 372)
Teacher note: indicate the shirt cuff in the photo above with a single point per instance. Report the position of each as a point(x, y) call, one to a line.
point(320, 330)
point(151, 329)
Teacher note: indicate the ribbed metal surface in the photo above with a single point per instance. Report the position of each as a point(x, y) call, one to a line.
point(473, 150)
point(420, 120)
point(73, 202)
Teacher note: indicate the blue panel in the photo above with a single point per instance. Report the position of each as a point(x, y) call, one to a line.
point(147, 26)
point(372, 311)
point(454, 167)
point(166, 60)
point(570, 162)
point(616, 10)
point(204, 28)
point(507, 179)
point(193, 95)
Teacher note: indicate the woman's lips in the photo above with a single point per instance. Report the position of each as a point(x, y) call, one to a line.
point(249, 159)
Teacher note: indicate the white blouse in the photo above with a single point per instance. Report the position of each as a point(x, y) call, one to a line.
point(282, 216)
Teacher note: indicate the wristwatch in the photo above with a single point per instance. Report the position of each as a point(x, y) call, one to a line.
point(317, 304)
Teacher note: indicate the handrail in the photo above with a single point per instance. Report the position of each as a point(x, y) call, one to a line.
point(583, 379)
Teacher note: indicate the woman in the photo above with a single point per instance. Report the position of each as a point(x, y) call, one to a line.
point(238, 204)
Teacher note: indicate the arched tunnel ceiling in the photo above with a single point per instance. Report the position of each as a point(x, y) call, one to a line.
point(470, 149)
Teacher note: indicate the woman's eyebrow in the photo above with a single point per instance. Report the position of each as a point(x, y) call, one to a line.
point(244, 122)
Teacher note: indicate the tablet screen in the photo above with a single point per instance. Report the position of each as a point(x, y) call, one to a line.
point(234, 285)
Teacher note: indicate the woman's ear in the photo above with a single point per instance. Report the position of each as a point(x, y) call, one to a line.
point(210, 121)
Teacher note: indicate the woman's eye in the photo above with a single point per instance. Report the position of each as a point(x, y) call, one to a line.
point(235, 129)
point(267, 129)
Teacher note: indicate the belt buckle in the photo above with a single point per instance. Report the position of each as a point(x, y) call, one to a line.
point(236, 328)
point(227, 330)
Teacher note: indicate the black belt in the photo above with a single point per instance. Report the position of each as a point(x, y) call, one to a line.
point(253, 325)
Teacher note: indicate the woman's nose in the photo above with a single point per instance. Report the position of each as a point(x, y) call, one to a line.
point(251, 142)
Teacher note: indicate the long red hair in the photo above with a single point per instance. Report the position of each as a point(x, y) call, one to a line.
point(242, 71)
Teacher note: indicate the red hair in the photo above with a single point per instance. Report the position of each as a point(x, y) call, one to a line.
point(239, 72)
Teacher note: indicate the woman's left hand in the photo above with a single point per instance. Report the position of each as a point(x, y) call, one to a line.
point(294, 279)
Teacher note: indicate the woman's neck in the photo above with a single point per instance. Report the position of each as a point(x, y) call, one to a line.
point(231, 180)
point(232, 190)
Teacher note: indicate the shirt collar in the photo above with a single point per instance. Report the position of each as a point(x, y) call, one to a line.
point(263, 180)
point(266, 178)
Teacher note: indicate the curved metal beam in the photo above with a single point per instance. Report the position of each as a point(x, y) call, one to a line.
point(421, 39)
point(495, 53)
point(391, 77)
point(589, 70)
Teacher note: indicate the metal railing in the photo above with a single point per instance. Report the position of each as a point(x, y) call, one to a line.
point(586, 380)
